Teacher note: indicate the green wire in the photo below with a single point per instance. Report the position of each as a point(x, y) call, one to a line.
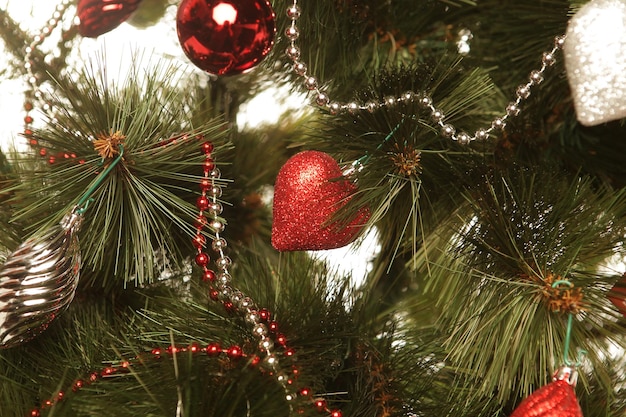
point(83, 203)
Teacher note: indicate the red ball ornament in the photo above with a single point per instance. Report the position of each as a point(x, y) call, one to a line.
point(98, 17)
point(226, 37)
point(557, 399)
point(309, 190)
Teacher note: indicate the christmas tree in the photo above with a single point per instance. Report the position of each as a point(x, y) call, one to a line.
point(162, 257)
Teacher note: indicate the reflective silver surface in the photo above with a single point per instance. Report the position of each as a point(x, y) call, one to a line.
point(38, 281)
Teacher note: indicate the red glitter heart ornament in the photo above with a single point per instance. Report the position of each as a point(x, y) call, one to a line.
point(98, 17)
point(557, 399)
point(309, 190)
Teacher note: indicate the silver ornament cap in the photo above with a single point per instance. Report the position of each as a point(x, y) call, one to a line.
point(595, 61)
point(38, 281)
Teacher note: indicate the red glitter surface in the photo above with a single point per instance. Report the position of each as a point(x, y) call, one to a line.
point(557, 399)
point(309, 190)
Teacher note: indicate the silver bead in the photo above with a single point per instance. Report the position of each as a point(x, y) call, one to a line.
point(253, 317)
point(216, 191)
point(271, 361)
point(322, 99)
point(294, 12)
point(371, 106)
point(223, 262)
point(215, 208)
point(224, 278)
point(548, 59)
point(335, 108)
point(481, 134)
point(390, 101)
point(425, 101)
point(536, 77)
point(247, 303)
point(523, 91)
point(293, 52)
point(219, 244)
point(448, 131)
point(512, 109)
point(299, 68)
point(463, 138)
point(260, 329)
point(226, 292)
point(498, 124)
point(408, 96)
point(353, 108)
point(559, 41)
point(292, 33)
point(217, 226)
point(215, 173)
point(310, 83)
point(266, 344)
point(437, 116)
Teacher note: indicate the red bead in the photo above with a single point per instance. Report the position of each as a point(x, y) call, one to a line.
point(52, 160)
point(273, 326)
point(28, 133)
point(28, 119)
point(208, 276)
point(93, 377)
point(282, 339)
point(305, 392)
point(255, 361)
point(335, 413)
point(213, 349)
point(156, 351)
point(43, 151)
point(35, 413)
point(229, 306)
point(201, 221)
point(101, 16)
point(198, 241)
point(172, 350)
point(264, 314)
point(202, 202)
point(78, 384)
point(290, 352)
point(320, 404)
point(206, 148)
point(208, 166)
point(205, 184)
point(214, 294)
point(28, 106)
point(60, 395)
point(226, 37)
point(234, 352)
point(108, 371)
point(194, 348)
point(202, 259)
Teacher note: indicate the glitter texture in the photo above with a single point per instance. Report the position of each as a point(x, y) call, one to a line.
point(308, 192)
point(557, 399)
point(595, 60)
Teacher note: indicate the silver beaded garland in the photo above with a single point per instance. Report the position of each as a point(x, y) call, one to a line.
point(422, 98)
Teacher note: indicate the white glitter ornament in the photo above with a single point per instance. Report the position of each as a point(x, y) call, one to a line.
point(595, 60)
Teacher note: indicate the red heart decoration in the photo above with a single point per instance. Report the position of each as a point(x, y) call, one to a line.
point(557, 399)
point(617, 295)
point(101, 16)
point(309, 190)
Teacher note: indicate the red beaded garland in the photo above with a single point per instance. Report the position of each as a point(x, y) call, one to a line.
point(202, 259)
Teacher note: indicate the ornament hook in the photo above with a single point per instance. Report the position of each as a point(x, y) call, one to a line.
point(85, 200)
point(568, 334)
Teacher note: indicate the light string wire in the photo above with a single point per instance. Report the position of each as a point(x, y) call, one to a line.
point(422, 98)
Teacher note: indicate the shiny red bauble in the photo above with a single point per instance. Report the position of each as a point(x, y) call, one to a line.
point(556, 399)
point(98, 17)
point(226, 37)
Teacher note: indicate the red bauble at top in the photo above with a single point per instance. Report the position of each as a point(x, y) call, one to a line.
point(557, 399)
point(98, 17)
point(226, 37)
point(309, 190)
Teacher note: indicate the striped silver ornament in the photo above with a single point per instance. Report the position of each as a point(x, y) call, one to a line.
point(39, 280)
